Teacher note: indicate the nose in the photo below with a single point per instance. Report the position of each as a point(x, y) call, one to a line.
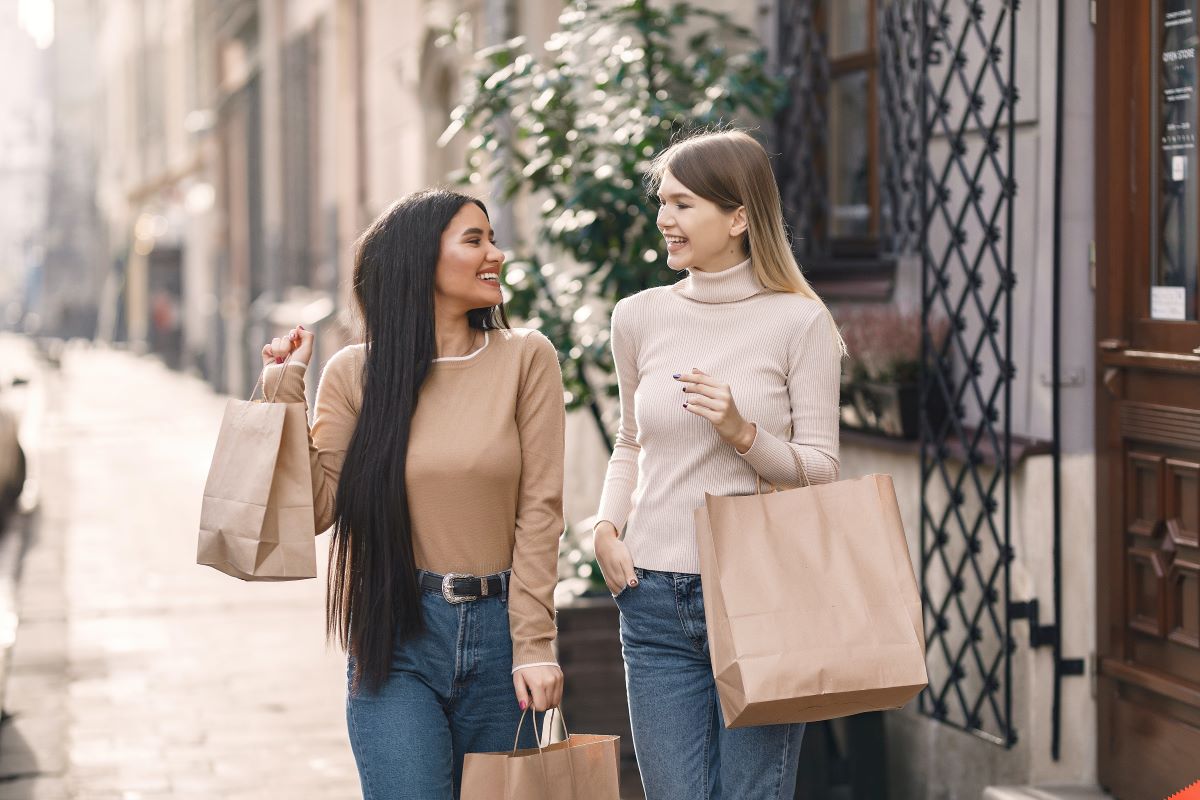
point(663, 217)
point(495, 254)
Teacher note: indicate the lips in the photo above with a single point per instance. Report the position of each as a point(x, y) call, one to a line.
point(675, 243)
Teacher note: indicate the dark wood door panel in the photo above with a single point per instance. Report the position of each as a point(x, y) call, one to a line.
point(1152, 755)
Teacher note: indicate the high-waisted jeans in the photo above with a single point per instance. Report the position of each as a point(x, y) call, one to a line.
point(450, 693)
point(683, 749)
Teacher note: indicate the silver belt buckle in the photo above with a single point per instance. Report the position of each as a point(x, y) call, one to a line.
point(448, 588)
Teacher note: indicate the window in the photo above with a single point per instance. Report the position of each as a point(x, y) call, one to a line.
point(851, 152)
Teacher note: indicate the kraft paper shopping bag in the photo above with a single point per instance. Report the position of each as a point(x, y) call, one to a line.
point(583, 767)
point(811, 603)
point(256, 520)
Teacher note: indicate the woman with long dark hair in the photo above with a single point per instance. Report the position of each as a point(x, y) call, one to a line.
point(437, 457)
point(728, 380)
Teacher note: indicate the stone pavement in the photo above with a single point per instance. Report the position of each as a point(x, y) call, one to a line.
point(135, 673)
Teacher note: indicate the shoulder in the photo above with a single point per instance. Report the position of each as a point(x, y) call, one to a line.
point(530, 345)
point(804, 324)
point(345, 367)
point(523, 339)
point(630, 310)
point(792, 312)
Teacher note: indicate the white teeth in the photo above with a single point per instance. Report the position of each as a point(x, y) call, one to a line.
point(490, 276)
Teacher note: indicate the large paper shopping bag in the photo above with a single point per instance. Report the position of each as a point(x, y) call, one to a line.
point(811, 603)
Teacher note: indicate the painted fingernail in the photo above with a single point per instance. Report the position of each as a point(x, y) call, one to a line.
point(675, 376)
point(633, 582)
point(301, 327)
point(278, 360)
point(685, 405)
point(522, 704)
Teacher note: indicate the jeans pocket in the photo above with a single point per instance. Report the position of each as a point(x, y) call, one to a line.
point(624, 591)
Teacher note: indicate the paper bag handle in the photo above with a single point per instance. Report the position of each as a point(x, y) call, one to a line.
point(545, 719)
point(538, 740)
point(759, 479)
point(262, 381)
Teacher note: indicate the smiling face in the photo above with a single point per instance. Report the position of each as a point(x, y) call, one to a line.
point(468, 268)
point(700, 234)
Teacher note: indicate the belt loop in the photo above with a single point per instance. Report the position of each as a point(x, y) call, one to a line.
point(504, 586)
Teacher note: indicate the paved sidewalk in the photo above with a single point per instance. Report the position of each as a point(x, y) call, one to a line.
point(136, 674)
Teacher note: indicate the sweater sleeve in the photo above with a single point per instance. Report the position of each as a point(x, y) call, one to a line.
point(541, 426)
point(620, 481)
point(810, 455)
point(333, 424)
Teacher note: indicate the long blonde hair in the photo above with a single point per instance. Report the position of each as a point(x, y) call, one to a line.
point(731, 169)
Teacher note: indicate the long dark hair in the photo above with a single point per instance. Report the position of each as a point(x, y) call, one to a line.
point(373, 596)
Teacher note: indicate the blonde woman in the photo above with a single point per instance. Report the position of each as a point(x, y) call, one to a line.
point(728, 377)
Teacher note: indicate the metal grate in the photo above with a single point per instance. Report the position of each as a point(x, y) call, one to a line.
point(802, 127)
point(900, 71)
point(967, 98)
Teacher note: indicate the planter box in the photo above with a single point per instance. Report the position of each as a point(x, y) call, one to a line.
point(888, 409)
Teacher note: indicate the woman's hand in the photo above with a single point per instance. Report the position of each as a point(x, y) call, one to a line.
point(616, 564)
point(298, 342)
point(542, 686)
point(708, 397)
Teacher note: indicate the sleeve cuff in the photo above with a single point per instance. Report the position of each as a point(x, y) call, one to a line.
point(285, 385)
point(773, 460)
point(537, 664)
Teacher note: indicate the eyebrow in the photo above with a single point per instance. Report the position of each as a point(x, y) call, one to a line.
point(674, 195)
point(478, 232)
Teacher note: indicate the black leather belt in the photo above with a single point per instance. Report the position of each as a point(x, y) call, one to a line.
point(457, 587)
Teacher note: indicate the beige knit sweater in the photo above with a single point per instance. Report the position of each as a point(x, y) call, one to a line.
point(779, 355)
point(484, 471)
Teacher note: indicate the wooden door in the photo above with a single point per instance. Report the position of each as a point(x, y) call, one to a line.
point(1148, 396)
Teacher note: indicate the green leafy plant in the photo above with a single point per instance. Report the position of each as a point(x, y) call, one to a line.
point(574, 133)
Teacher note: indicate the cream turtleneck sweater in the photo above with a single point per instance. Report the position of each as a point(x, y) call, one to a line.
point(779, 354)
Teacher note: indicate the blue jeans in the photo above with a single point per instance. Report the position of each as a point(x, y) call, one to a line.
point(450, 693)
point(683, 749)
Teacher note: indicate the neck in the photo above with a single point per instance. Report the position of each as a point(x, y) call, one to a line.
point(726, 260)
point(454, 335)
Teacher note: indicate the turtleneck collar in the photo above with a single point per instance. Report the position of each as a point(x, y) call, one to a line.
point(727, 286)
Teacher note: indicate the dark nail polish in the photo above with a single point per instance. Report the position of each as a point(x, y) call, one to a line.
point(685, 405)
point(675, 376)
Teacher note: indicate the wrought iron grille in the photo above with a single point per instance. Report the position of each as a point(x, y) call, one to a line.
point(967, 99)
point(947, 99)
point(802, 127)
point(900, 71)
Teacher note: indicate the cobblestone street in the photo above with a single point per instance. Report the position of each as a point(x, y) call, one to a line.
point(135, 673)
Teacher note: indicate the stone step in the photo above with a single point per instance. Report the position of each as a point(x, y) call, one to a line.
point(1045, 793)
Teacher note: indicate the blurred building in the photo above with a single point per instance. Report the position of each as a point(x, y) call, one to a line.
point(25, 151)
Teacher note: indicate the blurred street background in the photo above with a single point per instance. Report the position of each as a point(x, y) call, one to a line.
point(136, 673)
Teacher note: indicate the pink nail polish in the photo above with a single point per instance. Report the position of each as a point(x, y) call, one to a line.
point(278, 360)
point(522, 705)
